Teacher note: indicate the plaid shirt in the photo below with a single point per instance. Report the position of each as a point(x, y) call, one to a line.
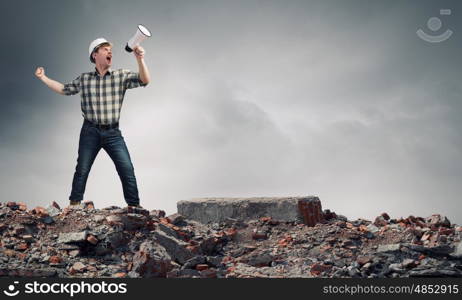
point(102, 97)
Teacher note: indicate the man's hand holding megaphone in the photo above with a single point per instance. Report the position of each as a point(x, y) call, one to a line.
point(139, 52)
point(133, 44)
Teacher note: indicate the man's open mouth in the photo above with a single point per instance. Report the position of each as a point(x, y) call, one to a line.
point(109, 59)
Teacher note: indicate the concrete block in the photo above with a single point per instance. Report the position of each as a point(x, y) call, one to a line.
point(305, 209)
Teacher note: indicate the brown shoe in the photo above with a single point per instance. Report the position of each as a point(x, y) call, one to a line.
point(137, 209)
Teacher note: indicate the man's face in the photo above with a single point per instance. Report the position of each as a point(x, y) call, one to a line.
point(103, 56)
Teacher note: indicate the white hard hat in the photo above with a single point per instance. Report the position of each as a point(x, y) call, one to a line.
point(94, 45)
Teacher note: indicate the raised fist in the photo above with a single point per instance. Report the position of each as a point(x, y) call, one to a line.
point(139, 52)
point(40, 72)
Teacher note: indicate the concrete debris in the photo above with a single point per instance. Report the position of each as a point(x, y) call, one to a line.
point(287, 209)
point(177, 249)
point(299, 241)
point(152, 260)
point(72, 237)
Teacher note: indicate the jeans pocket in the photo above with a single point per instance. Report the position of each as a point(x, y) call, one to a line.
point(85, 129)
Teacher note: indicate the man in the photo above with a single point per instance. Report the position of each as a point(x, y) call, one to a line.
point(102, 92)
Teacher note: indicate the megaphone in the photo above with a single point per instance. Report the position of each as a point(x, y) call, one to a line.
point(141, 34)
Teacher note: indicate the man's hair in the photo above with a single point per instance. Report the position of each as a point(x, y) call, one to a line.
point(97, 49)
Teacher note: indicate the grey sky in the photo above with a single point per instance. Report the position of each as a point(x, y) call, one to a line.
point(338, 99)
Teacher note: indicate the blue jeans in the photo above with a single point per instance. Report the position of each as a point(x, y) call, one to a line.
point(92, 139)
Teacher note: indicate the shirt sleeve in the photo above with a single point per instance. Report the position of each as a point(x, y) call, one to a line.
point(73, 87)
point(132, 80)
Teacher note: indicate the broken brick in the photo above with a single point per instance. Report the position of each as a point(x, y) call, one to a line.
point(311, 211)
point(88, 205)
point(208, 273)
point(438, 220)
point(21, 256)
point(164, 221)
point(92, 239)
point(12, 205)
point(55, 259)
point(201, 267)
point(385, 216)
point(380, 221)
point(259, 235)
point(265, 219)
point(55, 205)
point(227, 259)
point(362, 260)
point(231, 232)
point(157, 213)
point(19, 230)
point(22, 206)
point(328, 215)
point(317, 269)
point(9, 253)
point(78, 267)
point(425, 236)
point(21, 246)
point(446, 231)
point(40, 211)
point(175, 218)
point(74, 253)
point(27, 238)
point(91, 269)
point(363, 228)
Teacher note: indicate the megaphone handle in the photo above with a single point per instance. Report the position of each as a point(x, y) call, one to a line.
point(128, 49)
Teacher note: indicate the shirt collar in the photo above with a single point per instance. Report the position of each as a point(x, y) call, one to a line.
point(109, 72)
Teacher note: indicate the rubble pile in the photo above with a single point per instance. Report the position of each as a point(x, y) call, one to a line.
point(133, 242)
